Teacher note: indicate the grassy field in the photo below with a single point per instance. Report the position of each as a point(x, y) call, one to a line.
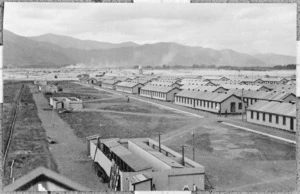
point(11, 91)
point(120, 104)
point(120, 125)
point(240, 160)
point(29, 148)
point(72, 87)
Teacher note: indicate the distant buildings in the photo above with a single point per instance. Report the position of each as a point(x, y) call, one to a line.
point(139, 164)
point(129, 87)
point(164, 93)
point(66, 102)
point(110, 84)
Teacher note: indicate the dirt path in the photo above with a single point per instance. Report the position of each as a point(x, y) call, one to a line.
point(70, 152)
point(128, 113)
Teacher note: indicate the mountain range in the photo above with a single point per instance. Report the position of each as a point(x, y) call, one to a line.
point(52, 50)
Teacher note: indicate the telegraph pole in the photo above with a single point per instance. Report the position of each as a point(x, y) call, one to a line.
point(183, 146)
point(193, 134)
point(242, 104)
point(159, 144)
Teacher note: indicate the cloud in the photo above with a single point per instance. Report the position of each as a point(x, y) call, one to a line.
point(246, 28)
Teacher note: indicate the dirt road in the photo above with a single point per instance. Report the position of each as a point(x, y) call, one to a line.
point(70, 152)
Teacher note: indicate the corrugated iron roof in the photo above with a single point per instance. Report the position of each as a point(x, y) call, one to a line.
point(163, 89)
point(110, 81)
point(208, 88)
point(169, 161)
point(139, 178)
point(136, 163)
point(271, 95)
point(240, 87)
point(279, 108)
point(111, 144)
point(120, 150)
point(209, 96)
point(127, 84)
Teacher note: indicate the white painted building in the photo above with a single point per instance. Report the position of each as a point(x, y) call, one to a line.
point(138, 164)
point(66, 102)
point(129, 87)
point(159, 92)
point(110, 84)
point(279, 115)
point(222, 103)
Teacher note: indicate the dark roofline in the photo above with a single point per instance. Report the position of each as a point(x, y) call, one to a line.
point(42, 171)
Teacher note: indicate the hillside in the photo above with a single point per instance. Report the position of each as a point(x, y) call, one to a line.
point(58, 51)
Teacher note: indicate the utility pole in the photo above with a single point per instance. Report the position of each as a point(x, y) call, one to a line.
point(242, 104)
point(193, 134)
point(159, 145)
point(183, 146)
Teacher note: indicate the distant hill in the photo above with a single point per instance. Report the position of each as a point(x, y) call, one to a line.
point(59, 51)
point(275, 59)
point(69, 42)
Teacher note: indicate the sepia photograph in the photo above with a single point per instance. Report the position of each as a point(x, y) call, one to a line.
point(149, 97)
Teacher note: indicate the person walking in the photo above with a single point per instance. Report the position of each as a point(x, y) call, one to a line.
point(153, 187)
point(127, 99)
point(195, 188)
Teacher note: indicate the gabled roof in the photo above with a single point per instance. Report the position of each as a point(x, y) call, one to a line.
point(250, 79)
point(275, 79)
point(272, 95)
point(163, 83)
point(208, 88)
point(167, 160)
point(127, 84)
point(245, 87)
point(32, 177)
point(163, 89)
point(209, 96)
point(279, 108)
point(111, 81)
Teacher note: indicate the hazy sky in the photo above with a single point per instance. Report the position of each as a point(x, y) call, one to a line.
point(249, 28)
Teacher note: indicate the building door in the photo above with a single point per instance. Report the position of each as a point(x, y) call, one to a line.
point(232, 107)
point(292, 123)
point(139, 90)
point(174, 96)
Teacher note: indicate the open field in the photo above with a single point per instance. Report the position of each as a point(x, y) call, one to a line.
point(29, 148)
point(234, 159)
point(239, 160)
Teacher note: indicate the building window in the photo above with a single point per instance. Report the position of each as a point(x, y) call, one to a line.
point(251, 114)
point(264, 116)
point(277, 119)
point(257, 115)
point(270, 118)
point(283, 120)
point(240, 106)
